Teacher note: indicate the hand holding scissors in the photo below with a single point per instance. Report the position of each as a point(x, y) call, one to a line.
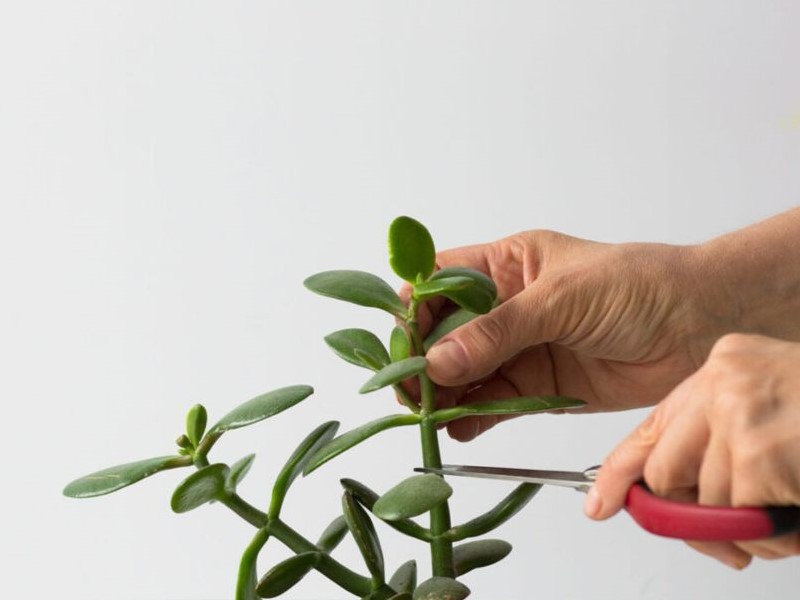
point(669, 518)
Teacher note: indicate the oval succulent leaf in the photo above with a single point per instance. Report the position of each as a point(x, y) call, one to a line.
point(499, 514)
point(440, 287)
point(441, 588)
point(237, 472)
point(298, 460)
point(357, 287)
point(411, 249)
point(115, 478)
point(477, 554)
point(508, 406)
point(370, 361)
point(355, 436)
point(405, 578)
point(262, 407)
point(367, 498)
point(346, 342)
point(200, 487)
point(246, 581)
point(448, 324)
point(333, 535)
point(196, 420)
point(283, 576)
point(364, 534)
point(478, 297)
point(399, 344)
point(395, 373)
point(412, 497)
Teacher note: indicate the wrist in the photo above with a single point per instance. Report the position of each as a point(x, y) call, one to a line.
point(749, 281)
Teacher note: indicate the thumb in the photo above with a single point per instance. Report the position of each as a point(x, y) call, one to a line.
point(479, 347)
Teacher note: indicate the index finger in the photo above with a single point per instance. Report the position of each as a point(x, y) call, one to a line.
point(623, 467)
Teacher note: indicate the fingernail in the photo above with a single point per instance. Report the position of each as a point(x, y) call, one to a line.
point(593, 504)
point(448, 360)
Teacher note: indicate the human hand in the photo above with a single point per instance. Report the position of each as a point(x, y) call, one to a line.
point(615, 325)
point(727, 436)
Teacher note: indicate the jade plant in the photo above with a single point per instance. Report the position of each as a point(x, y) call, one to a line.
point(470, 293)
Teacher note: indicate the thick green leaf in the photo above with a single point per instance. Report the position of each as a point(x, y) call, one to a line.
point(333, 535)
point(200, 487)
point(405, 578)
point(448, 324)
point(509, 406)
point(412, 497)
point(358, 287)
point(411, 249)
point(478, 297)
point(346, 342)
point(115, 478)
point(196, 420)
point(262, 407)
point(395, 373)
point(477, 554)
point(283, 576)
point(367, 498)
point(237, 472)
point(355, 436)
point(246, 582)
point(297, 462)
point(403, 596)
point(441, 588)
point(364, 534)
point(370, 360)
point(440, 287)
point(399, 344)
point(362, 493)
point(502, 512)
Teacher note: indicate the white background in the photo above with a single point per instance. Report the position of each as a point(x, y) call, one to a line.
point(171, 171)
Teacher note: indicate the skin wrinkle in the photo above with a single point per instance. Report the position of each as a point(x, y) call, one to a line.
point(621, 325)
point(750, 458)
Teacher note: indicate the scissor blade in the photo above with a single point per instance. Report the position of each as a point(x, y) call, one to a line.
point(574, 479)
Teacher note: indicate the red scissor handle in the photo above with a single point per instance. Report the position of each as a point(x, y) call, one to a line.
point(690, 521)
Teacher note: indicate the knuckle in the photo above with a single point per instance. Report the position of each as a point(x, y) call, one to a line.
point(733, 343)
point(649, 431)
point(724, 403)
point(536, 237)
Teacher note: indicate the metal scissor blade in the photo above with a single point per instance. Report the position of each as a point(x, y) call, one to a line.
point(578, 480)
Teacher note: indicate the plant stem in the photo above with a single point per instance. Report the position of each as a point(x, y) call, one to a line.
point(406, 399)
point(441, 545)
point(247, 511)
point(332, 569)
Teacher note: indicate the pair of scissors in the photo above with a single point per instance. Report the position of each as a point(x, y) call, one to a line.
point(668, 518)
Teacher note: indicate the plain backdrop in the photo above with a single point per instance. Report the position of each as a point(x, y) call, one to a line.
point(170, 171)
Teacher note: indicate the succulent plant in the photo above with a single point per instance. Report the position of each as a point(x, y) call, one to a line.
point(412, 257)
